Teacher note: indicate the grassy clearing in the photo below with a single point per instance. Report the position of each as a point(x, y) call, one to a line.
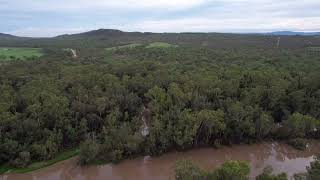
point(133, 45)
point(21, 53)
point(161, 45)
point(151, 45)
point(314, 49)
point(38, 165)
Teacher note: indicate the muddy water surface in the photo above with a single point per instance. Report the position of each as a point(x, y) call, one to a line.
point(278, 155)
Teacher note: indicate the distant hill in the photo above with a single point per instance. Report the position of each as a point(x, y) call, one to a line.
point(114, 32)
point(99, 32)
point(108, 38)
point(292, 33)
point(2, 35)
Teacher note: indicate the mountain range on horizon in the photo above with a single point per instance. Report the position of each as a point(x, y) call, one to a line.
point(293, 33)
point(102, 38)
point(117, 32)
point(3, 35)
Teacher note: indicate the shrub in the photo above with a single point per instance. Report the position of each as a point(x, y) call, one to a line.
point(23, 159)
point(233, 170)
point(267, 175)
point(314, 170)
point(186, 170)
point(298, 143)
point(88, 151)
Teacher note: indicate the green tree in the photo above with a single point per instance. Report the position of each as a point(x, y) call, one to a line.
point(240, 122)
point(82, 129)
point(8, 150)
point(53, 144)
point(89, 150)
point(301, 125)
point(23, 159)
point(212, 124)
point(185, 129)
point(186, 170)
point(232, 170)
point(263, 124)
point(159, 99)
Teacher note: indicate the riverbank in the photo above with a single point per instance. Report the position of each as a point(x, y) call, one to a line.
point(68, 154)
point(39, 165)
point(278, 155)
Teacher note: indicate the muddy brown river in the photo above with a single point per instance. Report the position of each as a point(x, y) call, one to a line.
point(278, 155)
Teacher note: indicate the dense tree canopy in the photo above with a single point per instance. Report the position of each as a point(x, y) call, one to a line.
point(193, 95)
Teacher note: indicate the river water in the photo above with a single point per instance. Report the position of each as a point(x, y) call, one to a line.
point(280, 156)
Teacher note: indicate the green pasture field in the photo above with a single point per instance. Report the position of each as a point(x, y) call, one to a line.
point(7, 53)
point(151, 45)
point(314, 49)
point(161, 45)
point(133, 45)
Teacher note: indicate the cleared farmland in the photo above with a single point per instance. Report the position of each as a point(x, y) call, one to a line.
point(19, 53)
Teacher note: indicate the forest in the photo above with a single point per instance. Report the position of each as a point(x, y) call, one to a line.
point(120, 103)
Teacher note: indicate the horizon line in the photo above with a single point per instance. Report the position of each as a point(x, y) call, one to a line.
point(177, 32)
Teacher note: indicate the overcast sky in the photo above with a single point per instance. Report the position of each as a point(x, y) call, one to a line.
point(40, 18)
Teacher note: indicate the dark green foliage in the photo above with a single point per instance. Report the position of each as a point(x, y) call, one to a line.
point(212, 124)
point(8, 150)
point(230, 170)
point(103, 38)
point(298, 143)
point(314, 170)
point(186, 170)
point(267, 175)
point(302, 125)
point(119, 143)
point(88, 150)
point(194, 95)
point(23, 159)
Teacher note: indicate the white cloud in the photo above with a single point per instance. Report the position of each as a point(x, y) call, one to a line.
point(190, 25)
point(75, 5)
point(230, 25)
point(47, 32)
point(158, 15)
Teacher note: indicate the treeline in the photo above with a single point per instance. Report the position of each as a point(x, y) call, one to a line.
point(104, 38)
point(194, 97)
point(232, 170)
